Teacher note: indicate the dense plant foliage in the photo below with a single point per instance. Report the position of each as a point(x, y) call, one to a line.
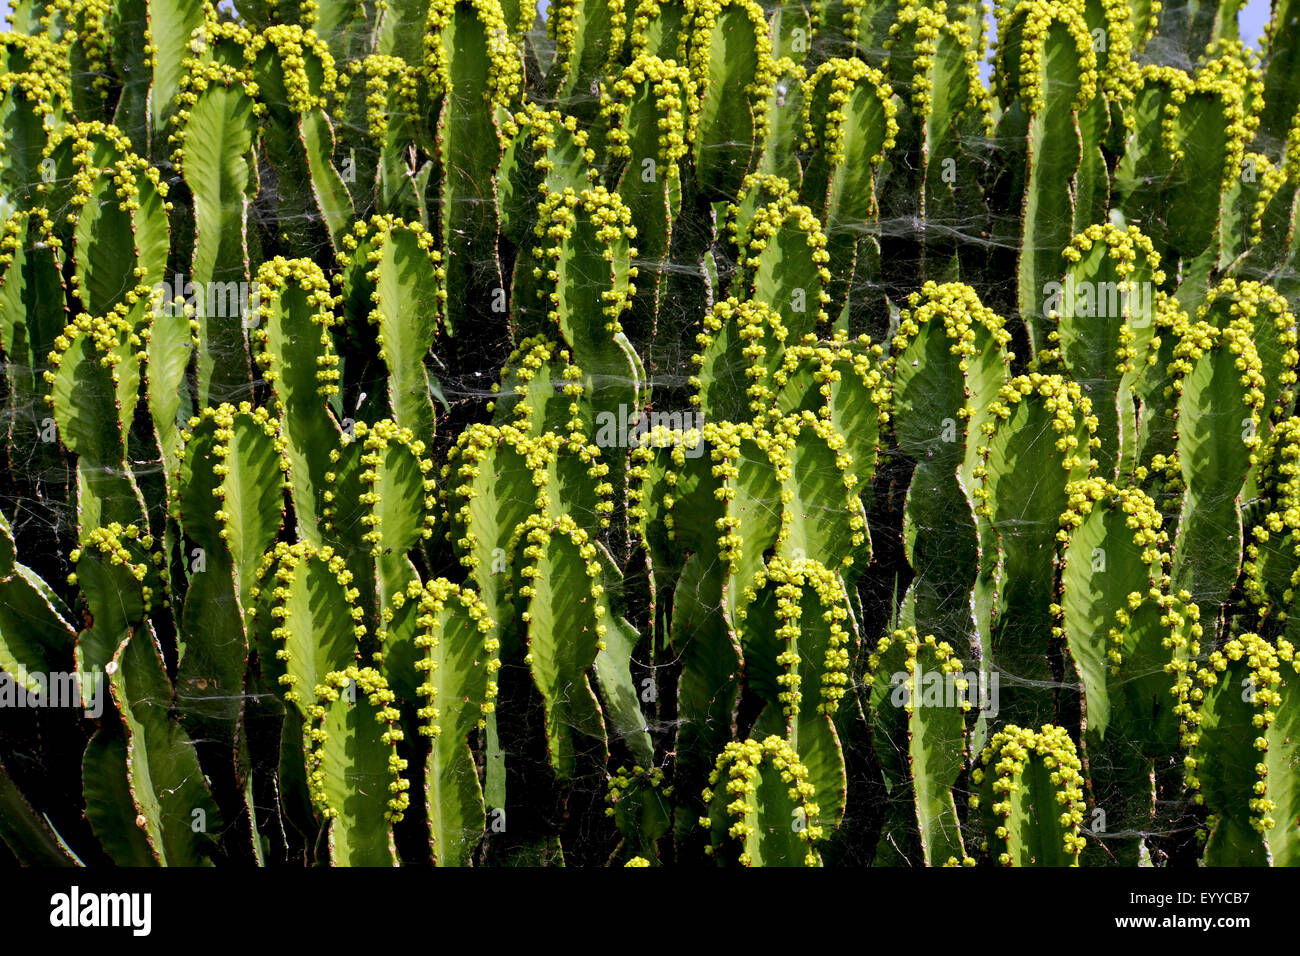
point(687, 431)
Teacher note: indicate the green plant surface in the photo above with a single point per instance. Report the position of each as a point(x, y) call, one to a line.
point(648, 433)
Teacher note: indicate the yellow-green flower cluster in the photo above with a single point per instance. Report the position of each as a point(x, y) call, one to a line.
point(202, 75)
point(560, 215)
point(1141, 515)
point(1291, 158)
point(392, 89)
point(1097, 495)
point(589, 454)
point(1072, 420)
point(111, 542)
point(827, 128)
point(760, 329)
point(35, 67)
point(1016, 754)
point(370, 683)
point(114, 337)
point(1264, 306)
point(1182, 618)
point(522, 367)
point(84, 27)
point(723, 441)
point(476, 448)
point(300, 60)
point(671, 91)
point(767, 223)
point(743, 765)
point(1199, 341)
point(1230, 80)
point(659, 455)
point(364, 248)
point(506, 68)
point(1134, 260)
point(1231, 59)
point(1117, 37)
point(852, 18)
point(788, 614)
point(647, 12)
point(536, 535)
point(224, 418)
point(1181, 634)
point(920, 29)
point(386, 446)
point(700, 56)
point(756, 190)
point(949, 664)
point(1280, 473)
point(553, 135)
point(1028, 24)
point(289, 561)
point(275, 278)
point(807, 427)
point(636, 780)
point(562, 27)
point(100, 154)
point(1268, 669)
point(797, 584)
point(26, 226)
point(1272, 178)
point(959, 308)
point(435, 614)
point(827, 362)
